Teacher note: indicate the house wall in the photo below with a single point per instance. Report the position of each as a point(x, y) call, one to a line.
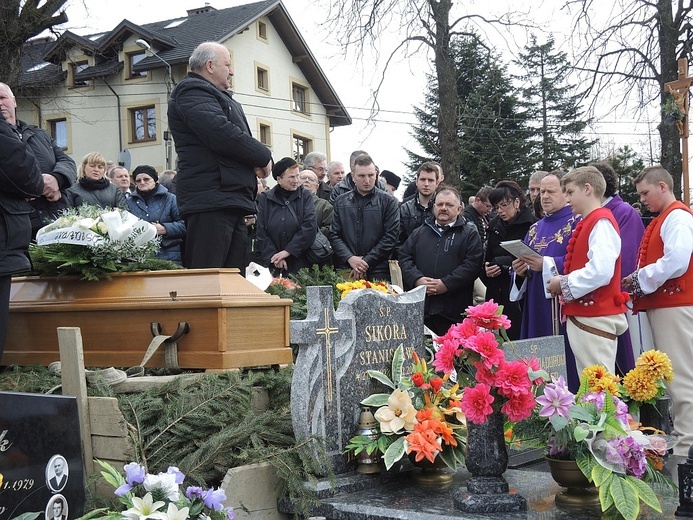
point(93, 113)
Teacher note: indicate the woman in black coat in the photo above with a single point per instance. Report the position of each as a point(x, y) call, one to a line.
point(93, 187)
point(514, 216)
point(286, 223)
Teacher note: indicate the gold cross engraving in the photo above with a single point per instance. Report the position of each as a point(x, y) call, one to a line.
point(327, 331)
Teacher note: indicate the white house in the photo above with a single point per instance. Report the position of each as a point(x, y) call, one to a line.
point(106, 92)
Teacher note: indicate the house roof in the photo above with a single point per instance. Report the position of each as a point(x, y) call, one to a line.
point(175, 39)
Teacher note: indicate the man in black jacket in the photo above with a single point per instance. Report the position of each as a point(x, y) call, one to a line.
point(416, 210)
point(218, 161)
point(59, 170)
point(444, 255)
point(20, 179)
point(365, 225)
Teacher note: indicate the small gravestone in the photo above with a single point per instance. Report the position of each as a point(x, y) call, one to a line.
point(337, 348)
point(549, 351)
point(40, 456)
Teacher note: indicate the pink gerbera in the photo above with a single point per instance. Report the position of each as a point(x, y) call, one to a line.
point(519, 407)
point(485, 344)
point(487, 316)
point(476, 403)
point(512, 379)
point(484, 375)
point(446, 355)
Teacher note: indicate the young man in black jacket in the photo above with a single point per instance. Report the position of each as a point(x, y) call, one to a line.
point(445, 255)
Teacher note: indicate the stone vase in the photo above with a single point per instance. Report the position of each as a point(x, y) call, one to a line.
point(486, 460)
point(657, 416)
point(579, 492)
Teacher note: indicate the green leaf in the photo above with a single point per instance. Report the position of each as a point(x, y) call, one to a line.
point(605, 498)
point(111, 475)
point(600, 475)
point(397, 363)
point(448, 456)
point(558, 422)
point(625, 498)
point(580, 413)
point(645, 492)
point(376, 374)
point(27, 516)
point(394, 452)
point(376, 400)
point(580, 433)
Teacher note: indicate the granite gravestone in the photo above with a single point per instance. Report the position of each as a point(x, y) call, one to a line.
point(337, 348)
point(40, 456)
point(548, 350)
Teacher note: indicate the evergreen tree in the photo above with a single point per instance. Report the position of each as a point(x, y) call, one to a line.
point(491, 135)
point(627, 165)
point(554, 117)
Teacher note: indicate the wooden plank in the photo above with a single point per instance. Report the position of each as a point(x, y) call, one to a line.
point(75, 384)
point(106, 418)
point(140, 384)
point(112, 448)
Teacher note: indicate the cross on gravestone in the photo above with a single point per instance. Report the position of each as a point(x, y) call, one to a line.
point(336, 348)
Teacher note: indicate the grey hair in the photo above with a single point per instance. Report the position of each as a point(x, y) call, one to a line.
point(313, 157)
point(206, 51)
point(7, 87)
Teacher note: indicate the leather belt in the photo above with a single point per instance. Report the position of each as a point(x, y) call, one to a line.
point(591, 330)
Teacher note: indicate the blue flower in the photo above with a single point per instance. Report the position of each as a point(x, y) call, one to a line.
point(213, 498)
point(172, 470)
point(134, 473)
point(193, 492)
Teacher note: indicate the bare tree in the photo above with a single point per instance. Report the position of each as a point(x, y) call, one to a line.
point(21, 20)
point(634, 49)
point(424, 25)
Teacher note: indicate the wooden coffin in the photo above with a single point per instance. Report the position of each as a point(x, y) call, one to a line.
point(232, 322)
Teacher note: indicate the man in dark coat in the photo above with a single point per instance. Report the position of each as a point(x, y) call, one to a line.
point(445, 255)
point(365, 225)
point(59, 170)
point(218, 160)
point(416, 210)
point(20, 179)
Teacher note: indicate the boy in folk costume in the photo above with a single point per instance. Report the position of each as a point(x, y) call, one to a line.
point(591, 286)
point(662, 285)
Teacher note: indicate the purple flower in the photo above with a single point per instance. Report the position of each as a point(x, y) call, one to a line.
point(621, 410)
point(134, 473)
point(597, 399)
point(193, 492)
point(557, 399)
point(631, 454)
point(213, 498)
point(123, 490)
point(230, 515)
point(172, 470)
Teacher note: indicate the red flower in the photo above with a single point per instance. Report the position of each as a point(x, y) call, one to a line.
point(476, 403)
point(487, 316)
point(464, 330)
point(436, 384)
point(484, 375)
point(486, 345)
point(512, 379)
point(519, 407)
point(417, 378)
point(445, 357)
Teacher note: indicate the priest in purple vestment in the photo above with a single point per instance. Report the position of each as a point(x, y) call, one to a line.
point(548, 237)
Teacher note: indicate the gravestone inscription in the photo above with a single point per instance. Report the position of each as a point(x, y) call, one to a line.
point(40, 456)
point(548, 350)
point(337, 348)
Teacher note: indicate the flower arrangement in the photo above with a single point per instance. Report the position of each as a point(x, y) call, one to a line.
point(347, 287)
point(93, 242)
point(421, 416)
point(471, 353)
point(646, 382)
point(593, 429)
point(159, 496)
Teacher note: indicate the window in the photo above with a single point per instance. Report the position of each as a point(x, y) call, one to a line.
point(261, 30)
point(299, 95)
point(265, 135)
point(78, 67)
point(262, 79)
point(134, 59)
point(58, 131)
point(143, 123)
point(301, 147)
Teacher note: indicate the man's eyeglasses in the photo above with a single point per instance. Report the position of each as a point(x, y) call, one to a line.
point(503, 205)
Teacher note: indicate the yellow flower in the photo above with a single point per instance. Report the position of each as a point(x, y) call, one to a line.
point(600, 379)
point(656, 363)
point(0, 479)
point(640, 385)
point(399, 413)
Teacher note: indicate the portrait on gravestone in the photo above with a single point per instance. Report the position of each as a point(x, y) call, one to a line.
point(56, 508)
point(56, 473)
point(40, 457)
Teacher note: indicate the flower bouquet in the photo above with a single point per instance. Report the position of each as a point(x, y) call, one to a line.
point(592, 428)
point(93, 242)
point(347, 287)
point(422, 416)
point(645, 383)
point(160, 497)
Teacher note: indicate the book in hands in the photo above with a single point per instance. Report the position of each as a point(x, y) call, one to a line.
point(518, 248)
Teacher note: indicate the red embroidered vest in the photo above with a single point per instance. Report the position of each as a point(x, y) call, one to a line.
point(601, 301)
point(673, 292)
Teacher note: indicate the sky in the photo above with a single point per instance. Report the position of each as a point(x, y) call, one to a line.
point(404, 85)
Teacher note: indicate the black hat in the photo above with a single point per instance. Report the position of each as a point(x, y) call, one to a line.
point(391, 178)
point(281, 166)
point(145, 168)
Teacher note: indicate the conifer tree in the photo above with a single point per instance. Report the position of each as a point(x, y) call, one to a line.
point(552, 108)
point(491, 134)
